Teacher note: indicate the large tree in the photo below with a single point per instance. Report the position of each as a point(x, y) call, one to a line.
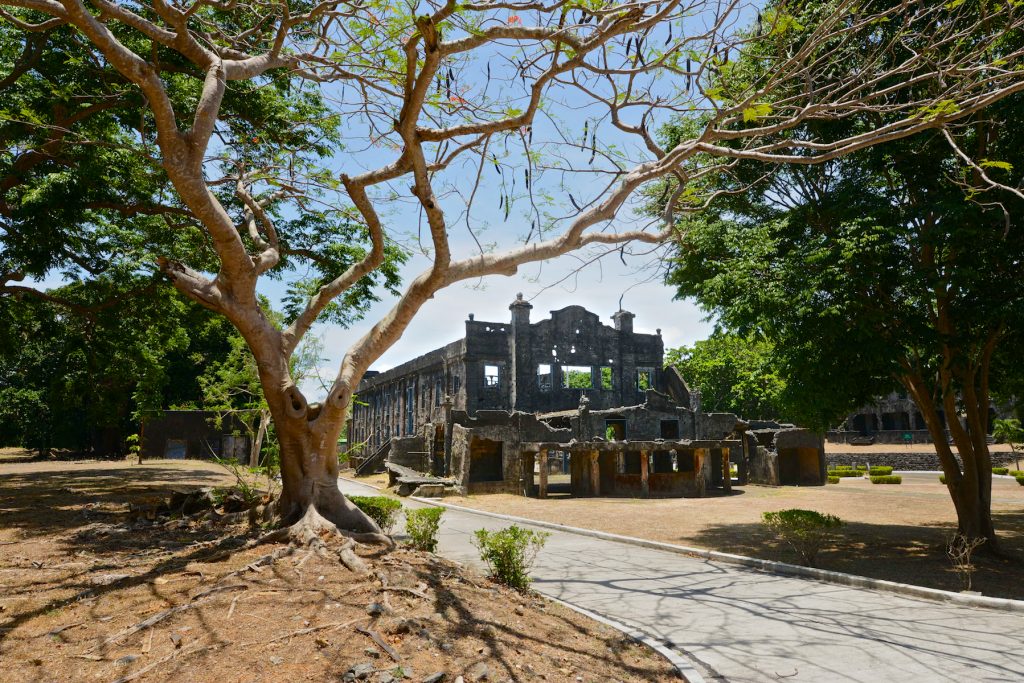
point(898, 266)
point(405, 117)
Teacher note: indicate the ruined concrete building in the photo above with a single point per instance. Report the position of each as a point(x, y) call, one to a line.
point(895, 418)
point(589, 406)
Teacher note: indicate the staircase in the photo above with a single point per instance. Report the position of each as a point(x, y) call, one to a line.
point(375, 462)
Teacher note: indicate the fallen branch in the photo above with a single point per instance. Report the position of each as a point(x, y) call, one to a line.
point(376, 637)
point(175, 653)
point(197, 600)
point(304, 631)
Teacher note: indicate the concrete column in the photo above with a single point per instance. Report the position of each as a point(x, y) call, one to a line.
point(542, 458)
point(645, 485)
point(595, 474)
point(726, 476)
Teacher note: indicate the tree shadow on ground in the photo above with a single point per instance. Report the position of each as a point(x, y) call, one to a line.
point(902, 553)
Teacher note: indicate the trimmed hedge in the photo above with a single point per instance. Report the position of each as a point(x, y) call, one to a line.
point(1020, 480)
point(1000, 470)
point(880, 471)
point(833, 480)
point(942, 478)
point(1016, 473)
point(843, 467)
point(845, 473)
point(887, 479)
point(380, 509)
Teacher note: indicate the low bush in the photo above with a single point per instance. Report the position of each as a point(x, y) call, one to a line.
point(1016, 473)
point(833, 480)
point(806, 531)
point(880, 471)
point(1000, 470)
point(942, 478)
point(422, 526)
point(862, 468)
point(843, 467)
point(1020, 480)
point(380, 509)
point(510, 553)
point(887, 479)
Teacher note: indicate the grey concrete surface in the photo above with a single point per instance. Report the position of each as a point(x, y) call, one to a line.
point(736, 624)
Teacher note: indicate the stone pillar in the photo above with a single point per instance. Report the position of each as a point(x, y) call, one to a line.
point(595, 473)
point(645, 485)
point(522, 372)
point(542, 458)
point(447, 405)
point(702, 472)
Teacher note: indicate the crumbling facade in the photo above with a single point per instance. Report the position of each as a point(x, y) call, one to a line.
point(513, 407)
point(894, 418)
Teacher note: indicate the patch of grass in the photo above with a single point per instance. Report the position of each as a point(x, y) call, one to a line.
point(887, 479)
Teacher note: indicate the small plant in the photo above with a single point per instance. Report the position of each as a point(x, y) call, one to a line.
point(806, 531)
point(833, 480)
point(880, 471)
point(510, 553)
point(887, 479)
point(134, 448)
point(1020, 479)
point(959, 549)
point(380, 509)
point(1000, 470)
point(422, 526)
point(845, 473)
point(942, 478)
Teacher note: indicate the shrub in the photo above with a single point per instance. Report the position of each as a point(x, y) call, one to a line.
point(380, 509)
point(942, 478)
point(880, 471)
point(422, 526)
point(843, 467)
point(510, 553)
point(806, 531)
point(845, 473)
point(887, 479)
point(1020, 480)
point(862, 468)
point(1016, 473)
point(1000, 470)
point(833, 480)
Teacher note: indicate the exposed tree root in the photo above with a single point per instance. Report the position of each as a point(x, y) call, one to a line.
point(313, 530)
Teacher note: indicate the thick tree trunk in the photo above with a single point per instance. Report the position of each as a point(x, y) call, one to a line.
point(970, 487)
point(309, 476)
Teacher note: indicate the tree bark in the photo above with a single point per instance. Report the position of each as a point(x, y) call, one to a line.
point(257, 442)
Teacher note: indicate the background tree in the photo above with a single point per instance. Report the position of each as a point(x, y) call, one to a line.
point(373, 107)
point(1010, 432)
point(734, 374)
point(78, 374)
point(897, 266)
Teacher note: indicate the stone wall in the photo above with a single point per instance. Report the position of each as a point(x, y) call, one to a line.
point(900, 461)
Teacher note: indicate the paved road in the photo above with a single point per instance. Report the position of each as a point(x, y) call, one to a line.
point(741, 625)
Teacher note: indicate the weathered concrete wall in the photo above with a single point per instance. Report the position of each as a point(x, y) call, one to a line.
point(717, 425)
point(411, 452)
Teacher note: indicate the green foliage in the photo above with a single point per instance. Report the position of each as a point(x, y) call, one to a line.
point(1009, 431)
point(832, 479)
point(887, 479)
point(880, 471)
point(806, 531)
point(510, 553)
point(422, 526)
point(734, 374)
point(1001, 470)
point(577, 379)
point(1020, 479)
point(381, 509)
point(1016, 473)
point(942, 478)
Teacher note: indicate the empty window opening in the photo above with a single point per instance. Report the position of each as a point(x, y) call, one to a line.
point(628, 463)
point(578, 377)
point(644, 379)
point(606, 378)
point(670, 429)
point(544, 377)
point(492, 375)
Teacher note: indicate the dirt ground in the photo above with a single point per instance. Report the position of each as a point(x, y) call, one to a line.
point(894, 532)
point(90, 590)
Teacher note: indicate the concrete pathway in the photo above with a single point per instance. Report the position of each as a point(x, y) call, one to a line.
point(736, 624)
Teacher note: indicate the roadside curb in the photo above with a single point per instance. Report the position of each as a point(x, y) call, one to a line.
point(770, 566)
point(683, 666)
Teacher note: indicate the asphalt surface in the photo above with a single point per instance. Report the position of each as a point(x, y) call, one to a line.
point(737, 624)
